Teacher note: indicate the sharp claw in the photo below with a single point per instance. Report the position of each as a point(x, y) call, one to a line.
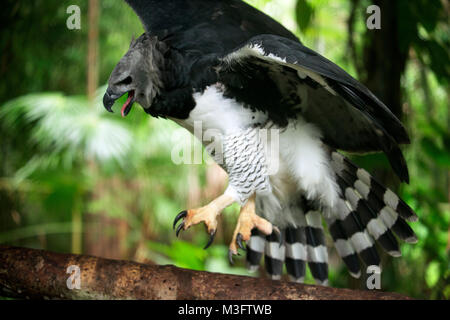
point(179, 228)
point(230, 256)
point(179, 216)
point(211, 239)
point(278, 233)
point(239, 241)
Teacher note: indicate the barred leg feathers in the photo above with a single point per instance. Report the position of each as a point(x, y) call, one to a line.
point(302, 245)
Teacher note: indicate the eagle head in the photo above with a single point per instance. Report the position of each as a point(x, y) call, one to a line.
point(138, 73)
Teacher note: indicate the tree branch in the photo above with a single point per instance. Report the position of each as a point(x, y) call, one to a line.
point(39, 274)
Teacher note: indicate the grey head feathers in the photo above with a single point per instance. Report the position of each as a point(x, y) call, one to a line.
point(139, 73)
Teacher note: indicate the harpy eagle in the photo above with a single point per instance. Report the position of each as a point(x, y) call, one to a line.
point(235, 70)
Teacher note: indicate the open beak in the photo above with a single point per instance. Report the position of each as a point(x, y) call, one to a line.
point(110, 97)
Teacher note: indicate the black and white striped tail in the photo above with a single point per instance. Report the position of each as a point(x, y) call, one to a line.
point(302, 245)
point(365, 213)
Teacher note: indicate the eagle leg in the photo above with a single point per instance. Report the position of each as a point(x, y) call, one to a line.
point(207, 214)
point(248, 219)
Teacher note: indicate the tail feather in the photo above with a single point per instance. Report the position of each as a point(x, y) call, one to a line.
point(348, 227)
point(404, 231)
point(317, 254)
point(296, 255)
point(369, 187)
point(274, 256)
point(302, 245)
point(365, 213)
point(381, 200)
point(373, 210)
point(345, 248)
point(377, 226)
point(255, 250)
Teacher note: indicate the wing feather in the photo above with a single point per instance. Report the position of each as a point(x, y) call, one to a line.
point(289, 79)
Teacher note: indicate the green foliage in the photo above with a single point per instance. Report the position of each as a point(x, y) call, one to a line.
point(64, 130)
point(424, 26)
point(304, 14)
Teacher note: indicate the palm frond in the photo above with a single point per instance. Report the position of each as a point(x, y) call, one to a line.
point(65, 129)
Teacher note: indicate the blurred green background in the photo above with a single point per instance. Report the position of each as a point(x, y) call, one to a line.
point(74, 178)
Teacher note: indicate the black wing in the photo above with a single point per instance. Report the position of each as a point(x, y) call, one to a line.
point(284, 78)
point(207, 26)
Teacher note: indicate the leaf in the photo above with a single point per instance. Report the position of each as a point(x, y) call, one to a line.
point(428, 13)
point(439, 59)
point(304, 14)
point(407, 24)
point(183, 254)
point(432, 274)
point(446, 292)
point(66, 128)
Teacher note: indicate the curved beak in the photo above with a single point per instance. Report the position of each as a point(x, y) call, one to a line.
point(109, 98)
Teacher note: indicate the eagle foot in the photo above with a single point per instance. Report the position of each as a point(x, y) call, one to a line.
point(207, 214)
point(248, 220)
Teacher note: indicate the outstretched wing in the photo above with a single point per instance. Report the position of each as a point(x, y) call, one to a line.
point(286, 79)
point(203, 25)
